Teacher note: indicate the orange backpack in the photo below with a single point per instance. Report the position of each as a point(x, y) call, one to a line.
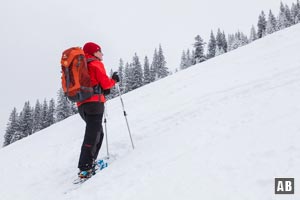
point(75, 77)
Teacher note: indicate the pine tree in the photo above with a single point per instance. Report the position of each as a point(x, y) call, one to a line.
point(219, 51)
point(137, 72)
point(243, 38)
point(288, 15)
point(199, 49)
point(186, 59)
point(237, 40)
point(18, 134)
point(271, 24)
point(121, 75)
point(128, 77)
point(162, 70)
point(154, 67)
point(192, 60)
point(51, 112)
point(231, 42)
point(113, 90)
point(74, 108)
point(147, 76)
point(12, 127)
point(44, 114)
point(211, 46)
point(297, 18)
point(224, 42)
point(294, 13)
point(189, 58)
point(37, 117)
point(219, 40)
point(25, 121)
point(282, 18)
point(152, 73)
point(183, 62)
point(253, 35)
point(262, 24)
point(63, 109)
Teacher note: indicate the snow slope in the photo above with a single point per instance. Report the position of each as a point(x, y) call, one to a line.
point(223, 129)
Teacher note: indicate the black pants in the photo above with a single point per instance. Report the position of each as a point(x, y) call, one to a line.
point(92, 114)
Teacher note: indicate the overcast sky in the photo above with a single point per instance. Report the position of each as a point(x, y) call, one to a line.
point(35, 32)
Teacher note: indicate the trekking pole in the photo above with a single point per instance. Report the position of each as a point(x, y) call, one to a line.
point(125, 114)
point(105, 121)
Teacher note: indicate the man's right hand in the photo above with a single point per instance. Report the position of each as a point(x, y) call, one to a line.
point(116, 77)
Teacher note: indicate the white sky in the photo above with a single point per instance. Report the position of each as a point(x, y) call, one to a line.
point(34, 33)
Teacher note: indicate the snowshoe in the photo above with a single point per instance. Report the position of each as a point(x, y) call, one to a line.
point(86, 173)
point(100, 164)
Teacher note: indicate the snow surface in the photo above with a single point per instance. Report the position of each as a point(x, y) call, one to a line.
point(223, 129)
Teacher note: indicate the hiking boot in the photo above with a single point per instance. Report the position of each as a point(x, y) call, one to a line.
point(85, 173)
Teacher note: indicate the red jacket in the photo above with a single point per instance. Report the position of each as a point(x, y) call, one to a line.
point(98, 77)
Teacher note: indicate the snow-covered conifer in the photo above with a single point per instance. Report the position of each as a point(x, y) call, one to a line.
point(253, 35)
point(162, 70)
point(261, 25)
point(271, 24)
point(121, 75)
point(64, 108)
point(199, 49)
point(137, 72)
point(37, 117)
point(12, 127)
point(26, 121)
point(51, 112)
point(154, 67)
point(183, 62)
point(147, 75)
point(282, 22)
point(128, 77)
point(44, 114)
point(212, 46)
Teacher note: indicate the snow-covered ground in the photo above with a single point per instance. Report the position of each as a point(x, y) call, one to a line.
point(223, 129)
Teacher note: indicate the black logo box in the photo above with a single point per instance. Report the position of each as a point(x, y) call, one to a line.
point(284, 186)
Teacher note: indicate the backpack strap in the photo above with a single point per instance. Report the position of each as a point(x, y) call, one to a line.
point(90, 60)
point(97, 89)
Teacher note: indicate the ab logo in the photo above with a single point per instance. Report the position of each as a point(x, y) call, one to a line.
point(284, 185)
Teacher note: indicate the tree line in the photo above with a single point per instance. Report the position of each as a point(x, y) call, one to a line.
point(33, 119)
point(138, 73)
point(219, 43)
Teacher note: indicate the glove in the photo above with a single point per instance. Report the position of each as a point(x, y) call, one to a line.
point(116, 77)
point(106, 92)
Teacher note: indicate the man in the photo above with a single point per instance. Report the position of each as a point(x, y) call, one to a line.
point(91, 110)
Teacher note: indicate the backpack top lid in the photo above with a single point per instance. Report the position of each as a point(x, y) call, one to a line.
point(69, 54)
